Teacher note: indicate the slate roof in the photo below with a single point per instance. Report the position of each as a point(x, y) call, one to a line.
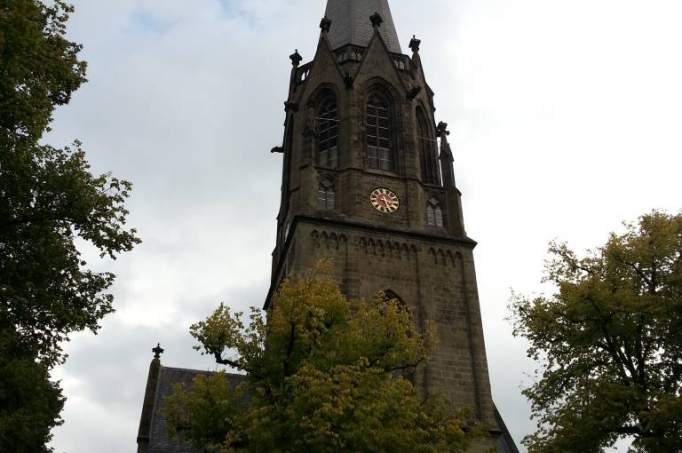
point(506, 442)
point(159, 441)
point(351, 23)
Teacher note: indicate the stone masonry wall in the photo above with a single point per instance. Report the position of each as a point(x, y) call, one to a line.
point(434, 279)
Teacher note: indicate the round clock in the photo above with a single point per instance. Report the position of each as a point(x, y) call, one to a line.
point(384, 200)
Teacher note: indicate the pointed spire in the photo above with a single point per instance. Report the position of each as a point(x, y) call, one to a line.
point(445, 150)
point(446, 158)
point(352, 23)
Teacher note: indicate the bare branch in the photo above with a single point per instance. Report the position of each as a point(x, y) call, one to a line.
point(231, 363)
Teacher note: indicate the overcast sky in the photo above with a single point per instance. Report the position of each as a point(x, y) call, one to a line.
point(566, 119)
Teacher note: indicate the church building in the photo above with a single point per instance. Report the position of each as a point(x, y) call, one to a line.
point(368, 183)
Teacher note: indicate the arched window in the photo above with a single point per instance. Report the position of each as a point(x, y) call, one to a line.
point(427, 150)
point(434, 213)
point(328, 132)
point(379, 144)
point(390, 296)
point(326, 195)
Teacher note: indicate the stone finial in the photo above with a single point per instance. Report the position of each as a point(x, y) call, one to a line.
point(158, 350)
point(415, 43)
point(325, 24)
point(442, 129)
point(446, 157)
point(445, 153)
point(296, 58)
point(377, 20)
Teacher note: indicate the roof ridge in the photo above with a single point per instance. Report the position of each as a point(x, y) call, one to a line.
point(191, 370)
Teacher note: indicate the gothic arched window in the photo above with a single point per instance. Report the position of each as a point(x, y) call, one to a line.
point(328, 132)
point(390, 296)
point(326, 195)
point(427, 151)
point(379, 143)
point(434, 213)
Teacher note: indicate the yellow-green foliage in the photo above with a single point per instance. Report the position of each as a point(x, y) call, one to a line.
point(324, 375)
point(610, 342)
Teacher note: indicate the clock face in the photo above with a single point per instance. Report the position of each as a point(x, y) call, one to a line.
point(384, 200)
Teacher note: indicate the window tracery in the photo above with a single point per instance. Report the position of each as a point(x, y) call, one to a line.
point(379, 133)
point(327, 125)
point(326, 195)
point(427, 151)
point(434, 213)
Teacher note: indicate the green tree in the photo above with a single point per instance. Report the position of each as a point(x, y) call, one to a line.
point(29, 403)
point(50, 202)
point(610, 343)
point(323, 375)
point(39, 67)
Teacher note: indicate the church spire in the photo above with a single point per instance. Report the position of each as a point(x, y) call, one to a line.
point(351, 24)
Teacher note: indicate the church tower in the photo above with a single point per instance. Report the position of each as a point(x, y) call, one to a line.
point(368, 182)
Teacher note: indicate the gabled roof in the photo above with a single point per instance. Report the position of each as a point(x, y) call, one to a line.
point(351, 23)
point(159, 441)
point(506, 442)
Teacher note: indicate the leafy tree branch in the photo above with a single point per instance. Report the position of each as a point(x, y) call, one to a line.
point(324, 374)
point(610, 343)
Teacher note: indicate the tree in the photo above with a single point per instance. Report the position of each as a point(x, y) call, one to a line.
point(610, 343)
point(323, 375)
point(29, 403)
point(50, 203)
point(39, 67)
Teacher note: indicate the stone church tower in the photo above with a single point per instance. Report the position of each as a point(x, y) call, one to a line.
point(368, 182)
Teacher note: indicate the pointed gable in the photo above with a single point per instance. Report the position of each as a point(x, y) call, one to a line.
point(324, 69)
point(351, 23)
point(379, 63)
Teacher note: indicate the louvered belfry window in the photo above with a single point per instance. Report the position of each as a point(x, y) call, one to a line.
point(434, 213)
point(427, 151)
point(379, 146)
point(328, 133)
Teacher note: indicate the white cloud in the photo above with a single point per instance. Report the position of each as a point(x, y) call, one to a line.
point(565, 119)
